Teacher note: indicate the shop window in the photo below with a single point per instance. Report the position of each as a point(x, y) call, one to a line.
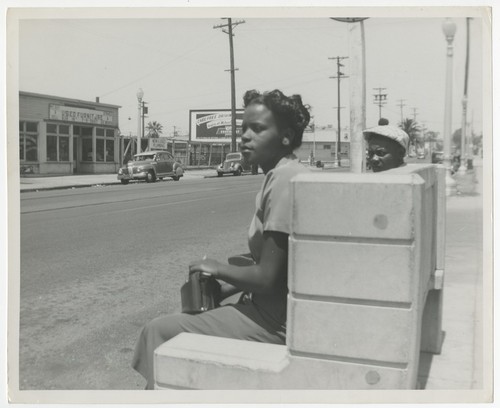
point(87, 149)
point(327, 147)
point(28, 141)
point(99, 150)
point(51, 148)
point(63, 148)
point(64, 129)
point(57, 142)
point(105, 145)
point(31, 126)
point(86, 131)
point(110, 150)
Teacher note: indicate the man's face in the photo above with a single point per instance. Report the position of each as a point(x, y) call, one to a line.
point(384, 153)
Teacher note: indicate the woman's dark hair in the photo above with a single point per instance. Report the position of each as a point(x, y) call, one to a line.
point(289, 111)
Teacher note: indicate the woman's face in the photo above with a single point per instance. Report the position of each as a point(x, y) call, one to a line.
point(261, 140)
point(383, 153)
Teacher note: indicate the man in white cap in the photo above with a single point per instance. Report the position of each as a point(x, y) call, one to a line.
point(387, 146)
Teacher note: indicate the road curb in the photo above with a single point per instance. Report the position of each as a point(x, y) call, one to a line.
point(66, 187)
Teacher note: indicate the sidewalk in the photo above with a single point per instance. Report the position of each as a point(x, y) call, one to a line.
point(35, 182)
point(461, 362)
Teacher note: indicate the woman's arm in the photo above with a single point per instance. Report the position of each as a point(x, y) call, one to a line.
point(227, 290)
point(259, 278)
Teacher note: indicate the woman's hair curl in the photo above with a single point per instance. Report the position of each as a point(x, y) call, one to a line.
point(289, 111)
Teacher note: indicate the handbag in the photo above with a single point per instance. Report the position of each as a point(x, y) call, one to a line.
point(200, 293)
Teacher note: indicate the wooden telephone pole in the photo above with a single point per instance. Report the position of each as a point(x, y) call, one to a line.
point(229, 31)
point(339, 76)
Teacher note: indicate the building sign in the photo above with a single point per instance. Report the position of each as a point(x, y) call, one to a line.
point(214, 125)
point(158, 143)
point(80, 115)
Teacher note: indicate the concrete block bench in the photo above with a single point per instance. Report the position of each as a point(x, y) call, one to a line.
point(366, 261)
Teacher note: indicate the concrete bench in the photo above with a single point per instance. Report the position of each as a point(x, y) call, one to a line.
point(366, 261)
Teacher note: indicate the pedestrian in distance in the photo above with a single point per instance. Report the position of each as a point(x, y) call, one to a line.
point(273, 125)
point(387, 147)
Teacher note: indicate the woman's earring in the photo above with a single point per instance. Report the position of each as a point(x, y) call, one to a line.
point(285, 141)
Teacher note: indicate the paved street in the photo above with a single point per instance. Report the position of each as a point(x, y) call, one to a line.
point(97, 263)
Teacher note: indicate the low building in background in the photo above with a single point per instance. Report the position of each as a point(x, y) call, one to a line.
point(320, 144)
point(67, 136)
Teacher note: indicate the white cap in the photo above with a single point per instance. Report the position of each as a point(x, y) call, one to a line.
point(392, 132)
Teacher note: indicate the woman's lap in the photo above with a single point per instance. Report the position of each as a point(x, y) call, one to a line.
point(229, 321)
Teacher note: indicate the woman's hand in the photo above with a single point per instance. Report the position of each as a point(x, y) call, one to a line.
point(206, 266)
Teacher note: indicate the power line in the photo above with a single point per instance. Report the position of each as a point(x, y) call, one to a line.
point(340, 75)
point(401, 104)
point(415, 115)
point(380, 100)
point(229, 31)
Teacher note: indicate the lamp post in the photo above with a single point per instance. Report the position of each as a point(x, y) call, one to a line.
point(140, 94)
point(462, 168)
point(449, 29)
point(463, 141)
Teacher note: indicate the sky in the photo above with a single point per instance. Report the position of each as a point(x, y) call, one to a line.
point(182, 64)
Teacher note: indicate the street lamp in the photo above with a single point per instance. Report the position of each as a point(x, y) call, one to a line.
point(463, 141)
point(462, 168)
point(140, 94)
point(449, 29)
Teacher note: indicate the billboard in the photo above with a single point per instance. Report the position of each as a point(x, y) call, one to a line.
point(213, 126)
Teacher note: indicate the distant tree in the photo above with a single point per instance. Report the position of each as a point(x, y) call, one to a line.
point(155, 129)
point(411, 128)
point(477, 143)
point(477, 140)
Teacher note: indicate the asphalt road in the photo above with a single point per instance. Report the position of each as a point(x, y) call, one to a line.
point(98, 262)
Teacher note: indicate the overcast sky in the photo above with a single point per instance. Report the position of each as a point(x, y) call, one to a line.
point(181, 64)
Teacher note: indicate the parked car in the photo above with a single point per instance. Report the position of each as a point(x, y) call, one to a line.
point(235, 164)
point(151, 166)
point(437, 157)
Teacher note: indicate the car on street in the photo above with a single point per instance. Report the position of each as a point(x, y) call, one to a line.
point(151, 166)
point(235, 164)
point(437, 157)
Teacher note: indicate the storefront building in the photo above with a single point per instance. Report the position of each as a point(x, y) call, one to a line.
point(67, 136)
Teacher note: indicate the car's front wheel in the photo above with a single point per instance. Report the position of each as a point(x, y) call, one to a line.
point(150, 177)
point(124, 181)
point(219, 174)
point(237, 172)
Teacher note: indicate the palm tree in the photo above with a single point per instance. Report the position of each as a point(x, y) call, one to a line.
point(155, 129)
point(411, 128)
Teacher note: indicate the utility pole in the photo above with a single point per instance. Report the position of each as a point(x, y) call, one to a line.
point(229, 31)
point(339, 76)
point(424, 139)
point(401, 104)
point(463, 140)
point(380, 100)
point(144, 112)
point(415, 115)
